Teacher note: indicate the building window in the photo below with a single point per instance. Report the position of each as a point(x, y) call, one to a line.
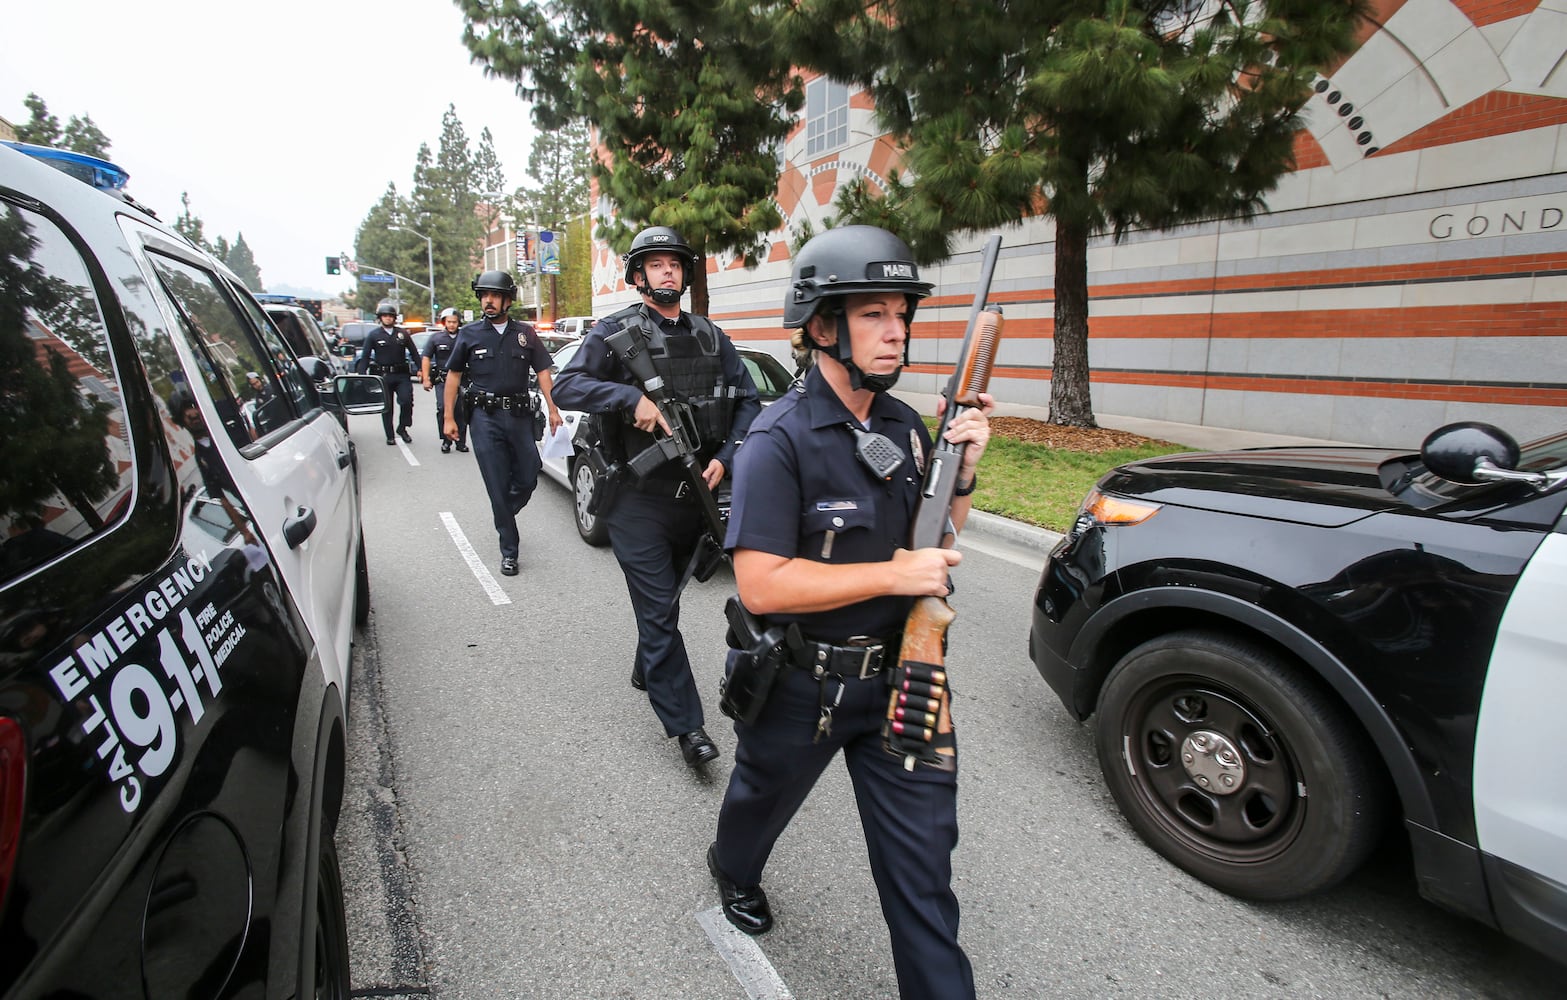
point(826, 116)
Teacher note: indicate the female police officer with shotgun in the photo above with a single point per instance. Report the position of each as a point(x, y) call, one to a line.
point(826, 489)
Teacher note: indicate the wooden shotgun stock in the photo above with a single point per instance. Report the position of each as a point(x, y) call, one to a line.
point(919, 722)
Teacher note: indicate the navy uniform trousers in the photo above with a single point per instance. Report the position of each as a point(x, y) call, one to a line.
point(439, 392)
point(399, 388)
point(652, 537)
point(509, 464)
point(909, 818)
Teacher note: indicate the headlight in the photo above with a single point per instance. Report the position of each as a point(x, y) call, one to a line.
point(1102, 508)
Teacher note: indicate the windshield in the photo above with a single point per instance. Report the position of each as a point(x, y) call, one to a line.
point(1546, 453)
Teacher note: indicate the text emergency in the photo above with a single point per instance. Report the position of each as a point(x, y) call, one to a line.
point(131, 713)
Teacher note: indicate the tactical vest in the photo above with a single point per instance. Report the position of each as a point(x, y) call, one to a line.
point(693, 369)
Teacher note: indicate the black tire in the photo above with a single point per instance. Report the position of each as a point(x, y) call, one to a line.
point(361, 586)
point(1307, 803)
point(583, 485)
point(331, 943)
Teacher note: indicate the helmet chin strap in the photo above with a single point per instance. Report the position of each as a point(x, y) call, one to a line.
point(859, 379)
point(660, 296)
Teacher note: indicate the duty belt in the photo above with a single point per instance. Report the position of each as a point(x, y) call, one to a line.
point(678, 489)
point(388, 369)
point(861, 655)
point(495, 401)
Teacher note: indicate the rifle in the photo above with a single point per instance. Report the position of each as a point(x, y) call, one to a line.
point(679, 446)
point(919, 722)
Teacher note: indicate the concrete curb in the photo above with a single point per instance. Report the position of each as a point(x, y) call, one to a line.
point(994, 526)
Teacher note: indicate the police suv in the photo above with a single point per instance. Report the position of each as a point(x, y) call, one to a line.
point(181, 569)
point(1288, 648)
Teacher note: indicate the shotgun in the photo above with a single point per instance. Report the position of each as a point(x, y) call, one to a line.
point(919, 723)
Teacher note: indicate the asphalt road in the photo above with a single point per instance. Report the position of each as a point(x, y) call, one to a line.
point(516, 825)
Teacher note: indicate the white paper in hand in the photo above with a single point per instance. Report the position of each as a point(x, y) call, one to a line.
point(558, 444)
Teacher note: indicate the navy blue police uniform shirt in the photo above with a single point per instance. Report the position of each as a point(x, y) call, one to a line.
point(596, 382)
point(492, 361)
point(384, 347)
point(439, 349)
point(800, 492)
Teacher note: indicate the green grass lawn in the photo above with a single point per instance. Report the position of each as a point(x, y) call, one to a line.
point(1042, 485)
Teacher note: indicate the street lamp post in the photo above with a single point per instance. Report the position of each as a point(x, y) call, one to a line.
point(429, 250)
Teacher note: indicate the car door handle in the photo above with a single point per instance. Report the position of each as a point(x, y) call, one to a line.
point(343, 458)
point(298, 528)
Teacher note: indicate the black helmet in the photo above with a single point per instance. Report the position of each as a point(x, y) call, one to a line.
point(448, 311)
point(850, 260)
point(660, 239)
point(385, 308)
point(495, 281)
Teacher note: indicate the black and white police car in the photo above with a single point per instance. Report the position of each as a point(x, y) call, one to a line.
point(1287, 647)
point(181, 567)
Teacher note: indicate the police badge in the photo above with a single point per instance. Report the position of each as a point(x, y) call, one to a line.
point(917, 449)
point(522, 339)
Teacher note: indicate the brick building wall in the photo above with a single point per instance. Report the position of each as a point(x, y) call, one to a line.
point(1411, 271)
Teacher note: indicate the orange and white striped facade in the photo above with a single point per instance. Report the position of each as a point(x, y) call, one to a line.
point(1411, 271)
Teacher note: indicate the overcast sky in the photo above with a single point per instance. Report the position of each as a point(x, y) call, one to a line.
point(284, 121)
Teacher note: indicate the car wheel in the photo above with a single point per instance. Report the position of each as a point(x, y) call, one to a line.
point(361, 586)
point(331, 926)
point(583, 485)
point(1235, 766)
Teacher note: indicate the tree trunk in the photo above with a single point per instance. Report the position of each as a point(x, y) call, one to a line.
point(1071, 401)
point(699, 288)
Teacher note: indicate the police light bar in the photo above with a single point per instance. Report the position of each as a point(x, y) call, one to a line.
point(101, 174)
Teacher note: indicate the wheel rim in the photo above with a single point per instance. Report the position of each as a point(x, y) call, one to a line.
point(1212, 770)
point(584, 496)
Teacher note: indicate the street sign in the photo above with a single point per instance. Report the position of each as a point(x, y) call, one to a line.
point(383, 279)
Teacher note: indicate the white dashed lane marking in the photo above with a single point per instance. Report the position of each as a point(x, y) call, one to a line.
point(744, 957)
point(475, 564)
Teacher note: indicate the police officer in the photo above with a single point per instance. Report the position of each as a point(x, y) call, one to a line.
point(433, 373)
point(488, 365)
point(815, 536)
point(388, 351)
point(656, 524)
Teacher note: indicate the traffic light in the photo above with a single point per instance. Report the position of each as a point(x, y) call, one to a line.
point(334, 265)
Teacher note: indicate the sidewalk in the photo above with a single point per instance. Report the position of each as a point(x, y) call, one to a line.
point(1194, 436)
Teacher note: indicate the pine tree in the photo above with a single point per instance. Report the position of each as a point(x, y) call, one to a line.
point(1105, 115)
point(84, 136)
point(690, 103)
point(42, 128)
point(443, 205)
point(559, 164)
point(243, 263)
point(489, 182)
point(189, 224)
point(376, 245)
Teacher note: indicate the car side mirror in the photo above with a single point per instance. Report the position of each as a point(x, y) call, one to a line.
point(361, 393)
point(316, 369)
point(1458, 452)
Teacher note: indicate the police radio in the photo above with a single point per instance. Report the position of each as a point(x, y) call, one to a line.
point(876, 452)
